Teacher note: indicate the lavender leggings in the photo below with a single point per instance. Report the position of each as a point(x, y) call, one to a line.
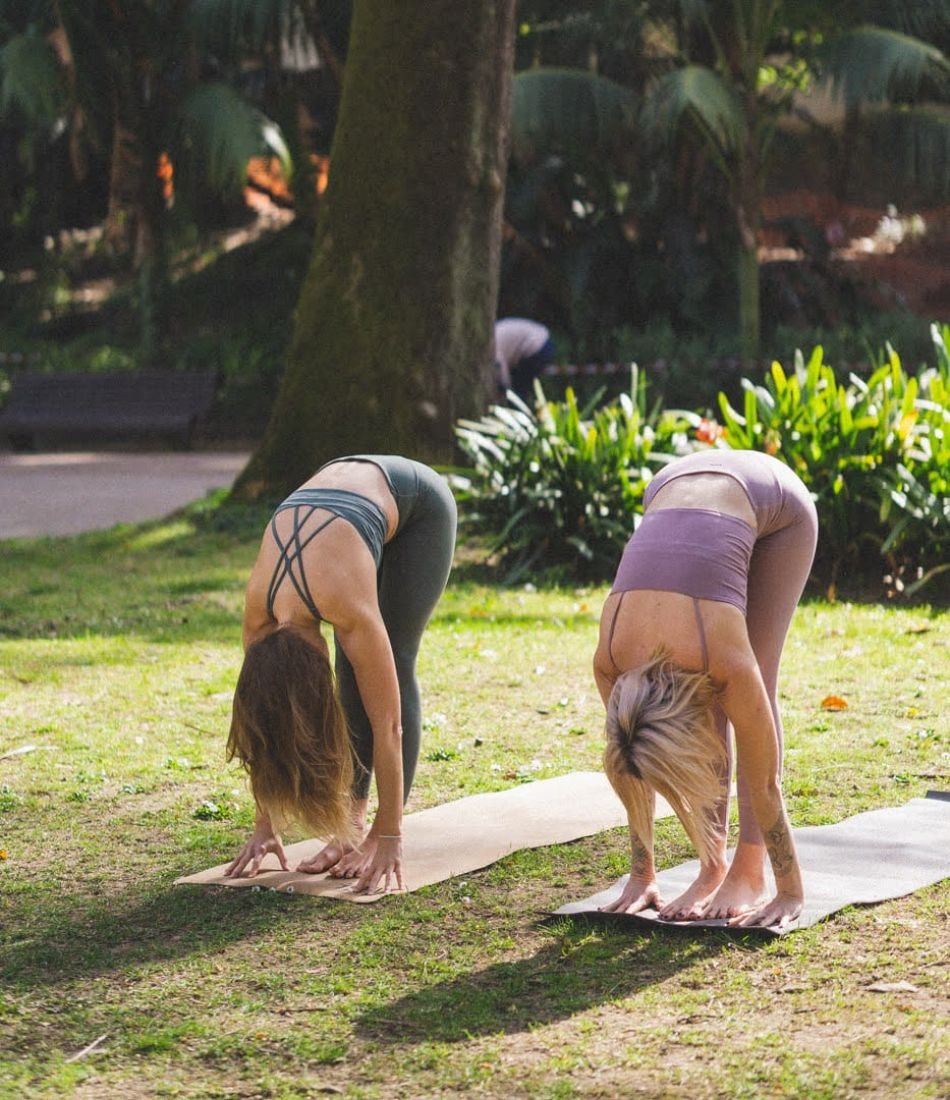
point(781, 561)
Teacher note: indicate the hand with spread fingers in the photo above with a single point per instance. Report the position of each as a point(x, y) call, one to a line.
point(381, 869)
point(376, 865)
point(262, 843)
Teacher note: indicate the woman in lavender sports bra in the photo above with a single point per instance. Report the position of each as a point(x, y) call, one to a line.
point(691, 638)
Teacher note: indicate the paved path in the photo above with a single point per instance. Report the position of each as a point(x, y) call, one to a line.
point(63, 494)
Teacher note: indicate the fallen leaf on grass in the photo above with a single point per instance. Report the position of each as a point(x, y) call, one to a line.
point(22, 751)
point(893, 987)
point(834, 702)
point(88, 1049)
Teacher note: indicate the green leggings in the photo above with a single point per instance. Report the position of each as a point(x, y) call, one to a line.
point(411, 578)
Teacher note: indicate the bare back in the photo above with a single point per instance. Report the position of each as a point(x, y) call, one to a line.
point(339, 569)
point(715, 492)
point(699, 634)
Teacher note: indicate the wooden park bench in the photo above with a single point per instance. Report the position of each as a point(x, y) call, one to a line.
point(141, 403)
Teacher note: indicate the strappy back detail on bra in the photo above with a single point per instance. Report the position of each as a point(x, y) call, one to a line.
point(363, 514)
point(610, 636)
point(702, 634)
point(291, 555)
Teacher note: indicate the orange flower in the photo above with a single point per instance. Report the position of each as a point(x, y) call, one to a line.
point(165, 171)
point(708, 431)
point(833, 702)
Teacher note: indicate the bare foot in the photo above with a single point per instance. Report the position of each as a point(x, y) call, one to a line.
point(742, 890)
point(737, 895)
point(327, 859)
point(691, 904)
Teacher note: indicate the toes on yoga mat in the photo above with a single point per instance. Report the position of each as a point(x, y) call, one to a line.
point(459, 837)
point(871, 857)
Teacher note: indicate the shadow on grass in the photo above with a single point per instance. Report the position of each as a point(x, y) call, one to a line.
point(586, 965)
point(71, 938)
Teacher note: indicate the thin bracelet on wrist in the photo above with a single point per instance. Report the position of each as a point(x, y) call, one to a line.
point(389, 836)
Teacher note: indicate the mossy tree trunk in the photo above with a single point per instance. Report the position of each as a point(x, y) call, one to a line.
point(392, 338)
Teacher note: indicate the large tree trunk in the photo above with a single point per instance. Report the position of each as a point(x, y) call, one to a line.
point(392, 340)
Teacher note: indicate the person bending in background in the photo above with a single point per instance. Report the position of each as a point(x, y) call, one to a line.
point(522, 350)
point(691, 637)
point(365, 546)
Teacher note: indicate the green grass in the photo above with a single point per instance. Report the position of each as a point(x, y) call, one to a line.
point(118, 654)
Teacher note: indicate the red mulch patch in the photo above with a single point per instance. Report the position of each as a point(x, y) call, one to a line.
point(915, 272)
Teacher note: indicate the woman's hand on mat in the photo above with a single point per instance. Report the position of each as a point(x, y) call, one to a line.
point(263, 841)
point(637, 895)
point(777, 913)
point(383, 869)
point(376, 865)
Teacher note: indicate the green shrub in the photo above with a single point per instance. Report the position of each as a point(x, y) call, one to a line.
point(873, 452)
point(559, 486)
point(919, 512)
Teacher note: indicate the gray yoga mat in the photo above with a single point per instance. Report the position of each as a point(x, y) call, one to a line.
point(867, 858)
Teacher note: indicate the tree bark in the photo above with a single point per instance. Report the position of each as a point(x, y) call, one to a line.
point(748, 220)
point(392, 339)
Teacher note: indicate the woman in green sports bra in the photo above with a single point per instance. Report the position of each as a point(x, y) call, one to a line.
point(366, 546)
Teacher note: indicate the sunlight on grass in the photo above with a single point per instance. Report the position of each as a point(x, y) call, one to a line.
point(118, 656)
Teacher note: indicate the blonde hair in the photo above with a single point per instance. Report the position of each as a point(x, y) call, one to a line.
point(660, 734)
point(289, 733)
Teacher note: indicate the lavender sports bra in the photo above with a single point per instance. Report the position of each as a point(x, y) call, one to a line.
point(695, 551)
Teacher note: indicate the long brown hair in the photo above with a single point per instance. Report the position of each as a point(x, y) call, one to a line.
point(660, 734)
point(289, 733)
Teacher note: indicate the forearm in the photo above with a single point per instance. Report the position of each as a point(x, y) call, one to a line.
point(387, 765)
point(642, 866)
point(639, 802)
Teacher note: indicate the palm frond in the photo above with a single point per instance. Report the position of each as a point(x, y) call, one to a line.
point(871, 64)
point(30, 80)
point(230, 26)
point(922, 18)
point(220, 132)
point(567, 109)
point(227, 23)
point(695, 11)
point(697, 95)
point(916, 143)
